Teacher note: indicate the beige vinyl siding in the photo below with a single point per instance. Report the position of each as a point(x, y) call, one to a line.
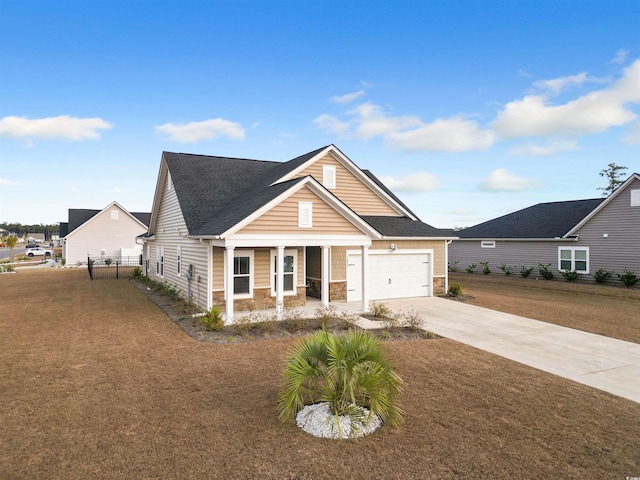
point(350, 189)
point(284, 218)
point(170, 232)
point(218, 268)
point(438, 247)
point(103, 233)
point(338, 264)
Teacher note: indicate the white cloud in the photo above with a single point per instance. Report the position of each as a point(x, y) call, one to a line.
point(64, 126)
point(198, 131)
point(592, 113)
point(331, 124)
point(501, 180)
point(9, 183)
point(348, 98)
point(620, 56)
point(633, 135)
point(557, 84)
point(551, 148)
point(409, 133)
point(416, 182)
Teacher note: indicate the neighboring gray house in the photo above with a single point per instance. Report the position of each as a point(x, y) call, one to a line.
point(110, 232)
point(581, 235)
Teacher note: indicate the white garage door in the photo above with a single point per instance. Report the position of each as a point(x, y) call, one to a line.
point(391, 275)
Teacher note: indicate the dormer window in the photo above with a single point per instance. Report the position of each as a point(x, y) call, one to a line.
point(329, 176)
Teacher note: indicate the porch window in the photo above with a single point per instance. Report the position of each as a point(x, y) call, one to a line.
point(242, 275)
point(289, 272)
point(574, 258)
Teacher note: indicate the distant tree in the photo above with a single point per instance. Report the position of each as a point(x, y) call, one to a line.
point(10, 241)
point(612, 173)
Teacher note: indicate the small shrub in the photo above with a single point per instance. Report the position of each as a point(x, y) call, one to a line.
point(137, 273)
point(506, 269)
point(455, 289)
point(428, 334)
point(393, 320)
point(292, 320)
point(325, 314)
point(212, 320)
point(385, 334)
point(264, 326)
point(453, 267)
point(629, 278)
point(413, 319)
point(242, 326)
point(569, 275)
point(485, 268)
point(526, 271)
point(601, 275)
point(346, 320)
point(472, 268)
point(380, 310)
point(545, 271)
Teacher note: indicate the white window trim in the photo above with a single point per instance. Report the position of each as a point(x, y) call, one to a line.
point(573, 258)
point(179, 260)
point(250, 254)
point(305, 207)
point(329, 176)
point(272, 271)
point(487, 244)
point(160, 262)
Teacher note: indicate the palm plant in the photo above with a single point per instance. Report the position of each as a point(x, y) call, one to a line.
point(347, 372)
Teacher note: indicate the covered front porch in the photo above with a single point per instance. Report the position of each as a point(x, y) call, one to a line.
point(264, 275)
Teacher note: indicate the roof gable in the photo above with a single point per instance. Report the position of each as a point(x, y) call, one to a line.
point(544, 220)
point(79, 217)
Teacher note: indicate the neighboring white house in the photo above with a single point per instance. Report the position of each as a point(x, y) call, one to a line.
point(107, 233)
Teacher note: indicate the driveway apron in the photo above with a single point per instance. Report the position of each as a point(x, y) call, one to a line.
point(605, 363)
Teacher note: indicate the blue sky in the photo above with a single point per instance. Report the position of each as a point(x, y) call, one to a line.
point(468, 110)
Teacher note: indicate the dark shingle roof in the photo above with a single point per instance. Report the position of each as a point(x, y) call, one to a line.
point(216, 193)
point(79, 216)
point(402, 227)
point(544, 220)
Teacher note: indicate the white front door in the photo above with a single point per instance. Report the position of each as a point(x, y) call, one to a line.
point(391, 275)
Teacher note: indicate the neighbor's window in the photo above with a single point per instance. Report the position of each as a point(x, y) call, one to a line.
point(487, 244)
point(329, 176)
point(179, 259)
point(160, 261)
point(573, 258)
point(305, 214)
point(635, 198)
point(289, 272)
point(242, 268)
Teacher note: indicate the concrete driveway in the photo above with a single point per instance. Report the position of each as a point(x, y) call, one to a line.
point(601, 362)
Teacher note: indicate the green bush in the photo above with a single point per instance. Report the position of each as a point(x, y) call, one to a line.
point(506, 269)
point(347, 371)
point(601, 275)
point(137, 273)
point(526, 271)
point(455, 289)
point(485, 268)
point(570, 275)
point(212, 320)
point(545, 271)
point(472, 267)
point(453, 267)
point(629, 278)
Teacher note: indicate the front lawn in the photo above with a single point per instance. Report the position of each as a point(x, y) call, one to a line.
point(97, 382)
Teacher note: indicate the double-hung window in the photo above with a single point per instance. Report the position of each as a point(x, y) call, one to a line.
point(573, 258)
point(288, 263)
point(242, 274)
point(160, 261)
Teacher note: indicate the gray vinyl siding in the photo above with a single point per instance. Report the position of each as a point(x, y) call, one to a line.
point(169, 233)
point(621, 222)
point(512, 253)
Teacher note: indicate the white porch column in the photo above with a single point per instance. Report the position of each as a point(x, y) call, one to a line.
point(280, 282)
point(365, 275)
point(228, 287)
point(324, 291)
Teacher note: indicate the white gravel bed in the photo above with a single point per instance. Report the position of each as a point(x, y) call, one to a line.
point(318, 421)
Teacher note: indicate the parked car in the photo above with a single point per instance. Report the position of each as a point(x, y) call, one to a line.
point(39, 251)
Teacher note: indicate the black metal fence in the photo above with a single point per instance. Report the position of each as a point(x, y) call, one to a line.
point(113, 267)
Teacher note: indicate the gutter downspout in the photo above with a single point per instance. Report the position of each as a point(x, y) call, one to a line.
point(446, 265)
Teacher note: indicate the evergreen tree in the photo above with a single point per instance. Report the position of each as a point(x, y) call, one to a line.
point(612, 173)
